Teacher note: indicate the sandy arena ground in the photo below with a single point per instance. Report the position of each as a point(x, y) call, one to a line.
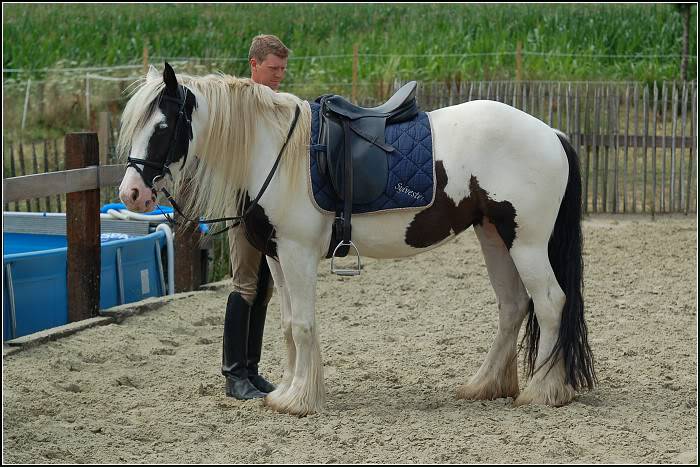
point(396, 342)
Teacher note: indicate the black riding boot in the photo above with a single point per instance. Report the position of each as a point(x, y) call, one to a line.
point(256, 329)
point(255, 340)
point(234, 359)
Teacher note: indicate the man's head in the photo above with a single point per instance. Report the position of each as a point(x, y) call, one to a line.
point(268, 60)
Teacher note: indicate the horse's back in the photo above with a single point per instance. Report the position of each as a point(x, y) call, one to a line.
point(512, 154)
point(493, 126)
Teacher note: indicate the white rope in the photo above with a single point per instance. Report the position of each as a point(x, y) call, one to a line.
point(80, 70)
point(111, 78)
point(317, 57)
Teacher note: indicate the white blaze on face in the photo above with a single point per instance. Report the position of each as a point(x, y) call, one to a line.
point(133, 191)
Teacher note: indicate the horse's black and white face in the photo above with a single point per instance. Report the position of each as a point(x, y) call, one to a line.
point(161, 145)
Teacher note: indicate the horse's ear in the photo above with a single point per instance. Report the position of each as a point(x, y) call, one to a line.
point(169, 78)
point(152, 73)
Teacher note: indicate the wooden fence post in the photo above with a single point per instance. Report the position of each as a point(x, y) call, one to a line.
point(35, 166)
point(692, 164)
point(188, 275)
point(57, 167)
point(653, 153)
point(103, 137)
point(46, 170)
point(104, 131)
point(83, 232)
point(145, 58)
point(354, 73)
point(519, 62)
point(88, 122)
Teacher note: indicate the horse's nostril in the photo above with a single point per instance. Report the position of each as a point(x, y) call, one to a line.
point(134, 194)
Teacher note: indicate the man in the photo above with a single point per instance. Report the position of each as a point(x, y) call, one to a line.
point(252, 283)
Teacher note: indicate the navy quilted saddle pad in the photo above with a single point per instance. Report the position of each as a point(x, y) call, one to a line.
point(411, 181)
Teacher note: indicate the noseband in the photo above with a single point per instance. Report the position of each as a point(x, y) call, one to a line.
point(162, 167)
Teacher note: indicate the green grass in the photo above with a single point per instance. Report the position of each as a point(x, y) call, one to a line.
point(42, 36)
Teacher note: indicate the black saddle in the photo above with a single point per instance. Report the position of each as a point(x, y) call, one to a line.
point(353, 152)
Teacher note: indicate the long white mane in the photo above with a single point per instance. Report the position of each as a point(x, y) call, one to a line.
point(217, 177)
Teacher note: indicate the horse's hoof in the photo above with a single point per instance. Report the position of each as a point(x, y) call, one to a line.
point(551, 396)
point(487, 391)
point(278, 404)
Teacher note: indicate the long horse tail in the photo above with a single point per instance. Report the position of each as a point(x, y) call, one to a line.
point(565, 256)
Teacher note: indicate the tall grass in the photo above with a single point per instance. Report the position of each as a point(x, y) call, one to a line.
point(41, 36)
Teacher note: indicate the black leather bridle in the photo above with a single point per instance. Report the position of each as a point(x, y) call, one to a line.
point(162, 167)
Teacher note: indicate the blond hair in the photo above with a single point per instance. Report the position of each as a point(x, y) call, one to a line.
point(265, 44)
point(236, 105)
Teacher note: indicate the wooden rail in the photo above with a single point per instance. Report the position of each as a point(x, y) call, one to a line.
point(66, 181)
point(82, 181)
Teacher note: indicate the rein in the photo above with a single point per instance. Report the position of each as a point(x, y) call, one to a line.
point(163, 168)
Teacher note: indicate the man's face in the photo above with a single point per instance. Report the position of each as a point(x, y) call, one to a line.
point(269, 72)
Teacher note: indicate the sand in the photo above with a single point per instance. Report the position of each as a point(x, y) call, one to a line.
point(396, 342)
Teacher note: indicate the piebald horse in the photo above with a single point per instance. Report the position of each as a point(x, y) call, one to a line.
point(510, 176)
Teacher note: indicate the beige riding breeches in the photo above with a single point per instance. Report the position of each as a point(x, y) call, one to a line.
point(246, 263)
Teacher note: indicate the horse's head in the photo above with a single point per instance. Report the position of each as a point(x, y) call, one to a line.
point(157, 139)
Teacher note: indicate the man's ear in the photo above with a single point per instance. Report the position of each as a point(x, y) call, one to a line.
point(169, 79)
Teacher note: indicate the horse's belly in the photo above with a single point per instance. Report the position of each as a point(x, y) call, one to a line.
point(387, 235)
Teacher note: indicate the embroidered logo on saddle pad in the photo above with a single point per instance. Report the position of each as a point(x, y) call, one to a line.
point(411, 176)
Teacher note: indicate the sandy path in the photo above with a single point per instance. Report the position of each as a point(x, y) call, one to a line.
point(396, 342)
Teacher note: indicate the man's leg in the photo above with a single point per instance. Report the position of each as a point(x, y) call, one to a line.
point(245, 262)
point(257, 326)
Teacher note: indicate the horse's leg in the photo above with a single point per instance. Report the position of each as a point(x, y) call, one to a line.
point(548, 383)
point(498, 374)
point(286, 312)
point(306, 393)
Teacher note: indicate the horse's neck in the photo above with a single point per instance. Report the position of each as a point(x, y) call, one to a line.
point(264, 151)
point(282, 192)
point(265, 148)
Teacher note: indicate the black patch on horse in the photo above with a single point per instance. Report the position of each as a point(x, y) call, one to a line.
point(444, 217)
point(171, 110)
point(501, 214)
point(164, 140)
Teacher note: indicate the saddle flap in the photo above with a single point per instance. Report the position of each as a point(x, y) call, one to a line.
point(370, 166)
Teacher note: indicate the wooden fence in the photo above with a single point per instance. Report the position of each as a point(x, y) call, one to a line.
point(81, 183)
point(28, 158)
point(637, 143)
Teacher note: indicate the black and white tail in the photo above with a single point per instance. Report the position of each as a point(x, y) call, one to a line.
point(565, 256)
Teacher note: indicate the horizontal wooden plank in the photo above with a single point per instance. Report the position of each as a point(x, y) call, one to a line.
point(634, 140)
point(111, 175)
point(66, 181)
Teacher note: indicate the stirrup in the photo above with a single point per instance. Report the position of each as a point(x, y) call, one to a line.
point(346, 272)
